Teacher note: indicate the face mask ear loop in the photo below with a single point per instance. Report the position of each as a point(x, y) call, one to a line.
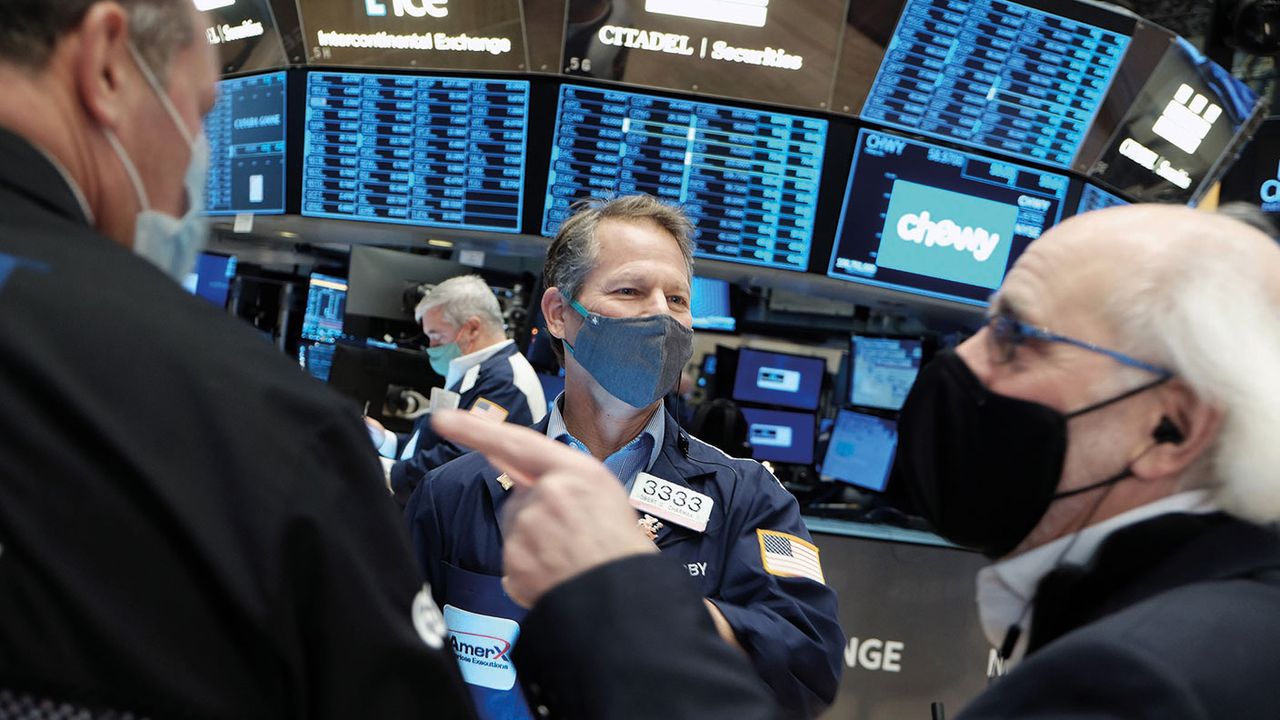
point(129, 169)
point(165, 100)
point(1122, 396)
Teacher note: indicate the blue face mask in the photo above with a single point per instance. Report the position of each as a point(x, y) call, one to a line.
point(170, 243)
point(442, 355)
point(635, 359)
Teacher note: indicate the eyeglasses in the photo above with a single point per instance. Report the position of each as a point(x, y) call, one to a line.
point(1005, 334)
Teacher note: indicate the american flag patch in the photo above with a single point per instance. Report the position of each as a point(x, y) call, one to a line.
point(789, 556)
point(485, 407)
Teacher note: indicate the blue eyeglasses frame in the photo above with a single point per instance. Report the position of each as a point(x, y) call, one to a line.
point(1008, 333)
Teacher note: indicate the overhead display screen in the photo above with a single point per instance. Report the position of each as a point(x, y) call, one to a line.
point(244, 33)
point(246, 131)
point(995, 75)
point(747, 178)
point(938, 222)
point(428, 34)
point(781, 51)
point(436, 151)
point(1188, 119)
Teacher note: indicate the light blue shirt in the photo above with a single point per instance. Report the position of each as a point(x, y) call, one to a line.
point(631, 459)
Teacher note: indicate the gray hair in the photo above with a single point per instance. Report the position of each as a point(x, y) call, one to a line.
point(30, 29)
point(1206, 307)
point(575, 250)
point(461, 298)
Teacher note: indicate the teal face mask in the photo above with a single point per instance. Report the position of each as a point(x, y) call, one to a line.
point(635, 359)
point(442, 355)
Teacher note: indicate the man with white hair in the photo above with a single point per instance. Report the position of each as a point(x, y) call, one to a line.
point(1108, 435)
point(469, 348)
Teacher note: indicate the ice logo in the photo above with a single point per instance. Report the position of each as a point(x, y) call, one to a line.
point(920, 228)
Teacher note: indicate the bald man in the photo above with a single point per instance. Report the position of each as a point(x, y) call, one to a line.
point(1107, 436)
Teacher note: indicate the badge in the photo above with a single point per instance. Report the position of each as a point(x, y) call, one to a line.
point(482, 645)
point(671, 502)
point(650, 525)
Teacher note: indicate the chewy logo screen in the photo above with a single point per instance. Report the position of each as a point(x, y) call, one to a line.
point(936, 221)
point(778, 379)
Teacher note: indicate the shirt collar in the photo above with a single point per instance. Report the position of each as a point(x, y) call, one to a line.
point(656, 429)
point(460, 365)
point(1006, 589)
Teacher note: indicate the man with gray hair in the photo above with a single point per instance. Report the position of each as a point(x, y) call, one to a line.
point(618, 279)
point(160, 555)
point(485, 371)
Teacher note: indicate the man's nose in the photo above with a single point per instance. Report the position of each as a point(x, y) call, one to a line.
point(975, 352)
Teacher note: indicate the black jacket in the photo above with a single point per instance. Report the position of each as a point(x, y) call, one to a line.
point(1176, 617)
point(189, 525)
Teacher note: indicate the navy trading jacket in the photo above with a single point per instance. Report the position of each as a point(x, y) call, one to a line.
point(504, 383)
point(787, 624)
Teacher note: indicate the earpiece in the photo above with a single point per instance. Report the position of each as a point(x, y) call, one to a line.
point(1167, 432)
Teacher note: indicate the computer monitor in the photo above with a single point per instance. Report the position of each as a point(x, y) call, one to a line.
point(773, 378)
point(930, 220)
point(382, 282)
point(316, 358)
point(748, 178)
point(861, 450)
point(710, 305)
point(364, 374)
point(246, 131)
point(211, 278)
point(415, 150)
point(780, 436)
point(884, 370)
point(326, 298)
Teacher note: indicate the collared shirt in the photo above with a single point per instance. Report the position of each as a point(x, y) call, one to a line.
point(631, 459)
point(1006, 589)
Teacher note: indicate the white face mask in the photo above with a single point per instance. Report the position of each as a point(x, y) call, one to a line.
point(172, 244)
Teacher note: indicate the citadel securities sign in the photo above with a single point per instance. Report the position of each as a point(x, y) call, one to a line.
point(677, 44)
point(443, 34)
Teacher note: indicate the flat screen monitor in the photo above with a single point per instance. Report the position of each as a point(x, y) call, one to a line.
point(326, 300)
point(211, 279)
point(316, 358)
point(861, 450)
point(1178, 135)
point(938, 222)
point(710, 305)
point(382, 282)
point(415, 150)
point(998, 76)
point(773, 378)
point(784, 51)
point(246, 131)
point(778, 436)
point(747, 178)
point(884, 369)
point(1094, 198)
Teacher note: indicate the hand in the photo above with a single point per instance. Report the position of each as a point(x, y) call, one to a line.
point(568, 513)
point(377, 433)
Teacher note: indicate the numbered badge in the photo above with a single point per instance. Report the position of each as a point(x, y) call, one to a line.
point(671, 502)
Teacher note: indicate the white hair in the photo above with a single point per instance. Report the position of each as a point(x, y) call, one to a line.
point(461, 298)
point(1206, 307)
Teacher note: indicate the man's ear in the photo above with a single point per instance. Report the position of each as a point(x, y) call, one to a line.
point(101, 64)
point(1187, 428)
point(553, 312)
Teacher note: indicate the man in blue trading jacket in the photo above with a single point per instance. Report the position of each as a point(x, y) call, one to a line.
point(469, 347)
point(618, 278)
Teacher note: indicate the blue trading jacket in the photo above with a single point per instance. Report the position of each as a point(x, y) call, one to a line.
point(506, 379)
point(788, 625)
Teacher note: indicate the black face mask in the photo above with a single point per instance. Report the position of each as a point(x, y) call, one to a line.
point(981, 467)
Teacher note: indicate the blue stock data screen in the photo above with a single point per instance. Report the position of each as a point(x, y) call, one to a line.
point(936, 221)
point(246, 131)
point(1092, 198)
point(747, 178)
point(995, 75)
point(436, 151)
